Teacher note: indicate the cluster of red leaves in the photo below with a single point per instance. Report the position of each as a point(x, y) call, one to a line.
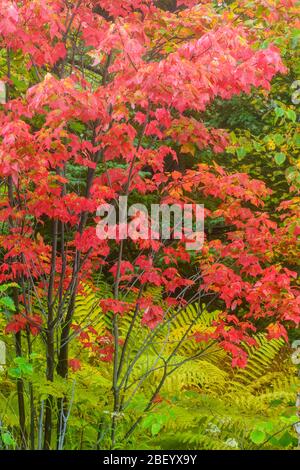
point(148, 94)
point(101, 345)
point(21, 322)
point(74, 364)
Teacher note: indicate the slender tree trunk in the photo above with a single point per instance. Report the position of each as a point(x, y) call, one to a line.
point(20, 393)
point(63, 355)
point(31, 397)
point(18, 343)
point(18, 337)
point(50, 351)
point(49, 400)
point(62, 365)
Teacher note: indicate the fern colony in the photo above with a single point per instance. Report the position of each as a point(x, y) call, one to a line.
point(203, 404)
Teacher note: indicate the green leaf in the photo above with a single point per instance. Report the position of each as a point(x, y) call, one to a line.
point(7, 439)
point(27, 369)
point(257, 146)
point(257, 436)
point(286, 440)
point(233, 137)
point(20, 85)
point(278, 139)
point(155, 428)
point(147, 422)
point(276, 402)
point(279, 158)
point(296, 139)
point(77, 127)
point(15, 372)
point(241, 152)
point(289, 419)
point(291, 115)
point(169, 48)
point(4, 287)
point(8, 303)
point(279, 112)
point(24, 368)
point(291, 172)
point(267, 426)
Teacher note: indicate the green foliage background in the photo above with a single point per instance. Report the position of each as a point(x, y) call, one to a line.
point(205, 404)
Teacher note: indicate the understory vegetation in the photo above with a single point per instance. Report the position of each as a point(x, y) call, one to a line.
point(143, 341)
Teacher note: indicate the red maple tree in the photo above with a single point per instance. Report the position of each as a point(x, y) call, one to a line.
point(118, 98)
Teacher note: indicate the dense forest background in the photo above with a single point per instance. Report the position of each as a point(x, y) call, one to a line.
point(134, 343)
